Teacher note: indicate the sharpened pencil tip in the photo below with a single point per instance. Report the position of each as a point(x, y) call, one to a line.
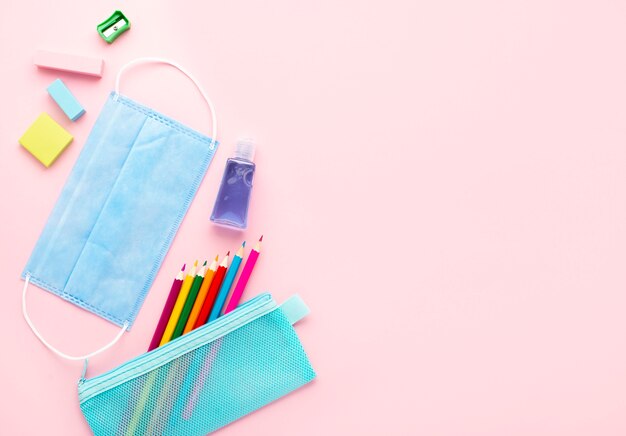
point(228, 254)
point(217, 257)
point(195, 263)
point(244, 244)
point(261, 238)
point(183, 268)
point(204, 264)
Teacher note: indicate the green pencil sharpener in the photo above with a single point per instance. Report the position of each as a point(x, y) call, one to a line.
point(113, 26)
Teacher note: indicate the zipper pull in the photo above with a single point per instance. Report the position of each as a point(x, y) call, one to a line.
point(82, 379)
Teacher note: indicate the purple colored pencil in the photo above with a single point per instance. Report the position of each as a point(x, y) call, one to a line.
point(167, 309)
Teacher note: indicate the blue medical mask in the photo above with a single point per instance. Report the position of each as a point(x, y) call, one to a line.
point(120, 208)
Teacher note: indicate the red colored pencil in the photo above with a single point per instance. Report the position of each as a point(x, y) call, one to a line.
point(212, 294)
point(167, 309)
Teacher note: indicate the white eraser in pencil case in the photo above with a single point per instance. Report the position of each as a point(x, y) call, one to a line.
point(71, 63)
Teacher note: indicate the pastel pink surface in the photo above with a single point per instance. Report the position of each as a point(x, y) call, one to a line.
point(457, 171)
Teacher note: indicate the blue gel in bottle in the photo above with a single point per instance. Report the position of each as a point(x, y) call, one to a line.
point(233, 198)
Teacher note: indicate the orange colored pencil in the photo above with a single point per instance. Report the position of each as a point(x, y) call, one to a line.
point(212, 294)
point(202, 293)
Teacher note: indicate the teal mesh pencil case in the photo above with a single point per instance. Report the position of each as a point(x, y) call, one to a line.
point(205, 379)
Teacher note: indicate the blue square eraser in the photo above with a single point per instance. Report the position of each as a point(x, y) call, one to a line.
point(65, 99)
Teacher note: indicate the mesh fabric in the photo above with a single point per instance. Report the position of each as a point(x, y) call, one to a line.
point(208, 387)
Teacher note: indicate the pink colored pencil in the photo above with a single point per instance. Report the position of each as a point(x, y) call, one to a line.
point(244, 277)
point(167, 309)
point(215, 347)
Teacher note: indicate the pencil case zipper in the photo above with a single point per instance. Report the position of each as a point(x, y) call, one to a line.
point(247, 312)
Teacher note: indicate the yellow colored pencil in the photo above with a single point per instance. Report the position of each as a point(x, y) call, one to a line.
point(142, 401)
point(178, 307)
point(169, 388)
point(204, 290)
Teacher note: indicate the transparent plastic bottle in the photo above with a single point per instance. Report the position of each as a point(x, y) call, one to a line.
point(233, 198)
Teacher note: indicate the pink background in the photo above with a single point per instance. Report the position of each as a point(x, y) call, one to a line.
point(443, 182)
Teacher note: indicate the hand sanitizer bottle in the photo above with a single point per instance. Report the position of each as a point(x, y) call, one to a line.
point(231, 204)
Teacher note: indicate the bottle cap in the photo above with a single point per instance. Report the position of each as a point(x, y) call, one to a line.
point(244, 149)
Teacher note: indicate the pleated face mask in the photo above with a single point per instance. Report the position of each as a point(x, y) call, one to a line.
point(120, 208)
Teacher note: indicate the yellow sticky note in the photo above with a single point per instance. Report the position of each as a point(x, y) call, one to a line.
point(45, 139)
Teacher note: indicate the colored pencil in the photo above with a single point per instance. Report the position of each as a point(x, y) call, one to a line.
point(198, 385)
point(212, 290)
point(204, 289)
point(142, 401)
point(226, 284)
point(168, 391)
point(212, 293)
point(244, 277)
point(210, 358)
point(191, 298)
point(178, 307)
point(167, 309)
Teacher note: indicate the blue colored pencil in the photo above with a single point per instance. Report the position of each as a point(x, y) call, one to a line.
point(226, 284)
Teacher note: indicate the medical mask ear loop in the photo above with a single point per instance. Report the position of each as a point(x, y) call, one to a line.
point(152, 60)
point(54, 349)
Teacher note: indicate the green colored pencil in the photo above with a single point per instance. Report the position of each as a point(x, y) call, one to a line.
point(191, 298)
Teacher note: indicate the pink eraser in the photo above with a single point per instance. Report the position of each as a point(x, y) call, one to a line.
point(71, 63)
